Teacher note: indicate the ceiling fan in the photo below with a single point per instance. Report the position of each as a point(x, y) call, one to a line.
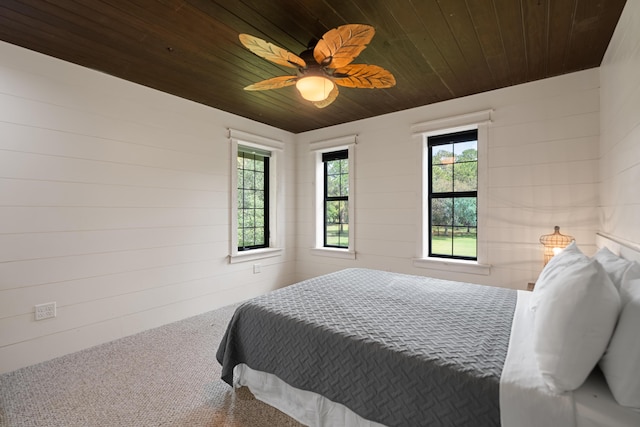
point(324, 65)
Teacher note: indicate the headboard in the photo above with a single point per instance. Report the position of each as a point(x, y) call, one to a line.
point(621, 247)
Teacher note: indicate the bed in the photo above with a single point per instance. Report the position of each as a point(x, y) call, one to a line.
point(362, 347)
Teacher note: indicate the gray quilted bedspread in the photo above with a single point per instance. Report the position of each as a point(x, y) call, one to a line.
point(397, 349)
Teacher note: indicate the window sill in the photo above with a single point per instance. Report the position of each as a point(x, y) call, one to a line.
point(254, 254)
point(454, 265)
point(334, 253)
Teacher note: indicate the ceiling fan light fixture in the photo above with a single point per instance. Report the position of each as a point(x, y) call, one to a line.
point(314, 88)
point(323, 67)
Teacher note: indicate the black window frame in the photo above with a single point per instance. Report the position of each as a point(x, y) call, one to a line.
point(327, 157)
point(264, 157)
point(445, 139)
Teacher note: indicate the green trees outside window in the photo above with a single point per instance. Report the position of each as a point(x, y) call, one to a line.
point(253, 199)
point(453, 195)
point(336, 199)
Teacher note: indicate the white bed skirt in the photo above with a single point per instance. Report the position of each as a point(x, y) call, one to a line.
point(304, 406)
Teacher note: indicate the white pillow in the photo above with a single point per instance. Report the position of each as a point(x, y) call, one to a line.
point(621, 362)
point(555, 266)
point(574, 318)
point(613, 265)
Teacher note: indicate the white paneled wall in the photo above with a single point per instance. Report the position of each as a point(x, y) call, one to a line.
point(114, 203)
point(542, 171)
point(114, 198)
point(620, 130)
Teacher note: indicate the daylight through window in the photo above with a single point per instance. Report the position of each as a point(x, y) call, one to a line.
point(453, 195)
point(336, 199)
point(253, 198)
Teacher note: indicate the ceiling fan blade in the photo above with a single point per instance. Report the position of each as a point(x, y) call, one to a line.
point(339, 46)
point(273, 83)
point(271, 52)
point(363, 76)
point(332, 97)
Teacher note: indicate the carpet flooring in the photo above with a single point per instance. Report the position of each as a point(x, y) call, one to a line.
point(166, 376)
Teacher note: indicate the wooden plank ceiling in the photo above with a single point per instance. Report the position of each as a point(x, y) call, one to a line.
point(436, 49)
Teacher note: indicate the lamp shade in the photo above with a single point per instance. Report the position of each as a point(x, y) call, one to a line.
point(554, 243)
point(314, 88)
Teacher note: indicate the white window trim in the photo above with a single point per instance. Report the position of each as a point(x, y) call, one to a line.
point(317, 148)
point(479, 120)
point(276, 196)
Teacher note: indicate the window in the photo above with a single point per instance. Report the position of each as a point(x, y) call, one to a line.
point(253, 198)
point(336, 199)
point(452, 209)
point(334, 202)
point(453, 195)
point(256, 227)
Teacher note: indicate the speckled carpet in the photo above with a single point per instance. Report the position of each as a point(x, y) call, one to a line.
point(166, 376)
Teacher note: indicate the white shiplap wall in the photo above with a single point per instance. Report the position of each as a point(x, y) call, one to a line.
point(542, 171)
point(114, 203)
point(114, 198)
point(620, 130)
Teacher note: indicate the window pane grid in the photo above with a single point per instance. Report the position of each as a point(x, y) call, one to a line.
point(336, 199)
point(453, 195)
point(252, 201)
point(337, 228)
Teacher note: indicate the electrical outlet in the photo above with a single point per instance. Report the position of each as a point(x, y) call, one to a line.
point(45, 311)
point(256, 268)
